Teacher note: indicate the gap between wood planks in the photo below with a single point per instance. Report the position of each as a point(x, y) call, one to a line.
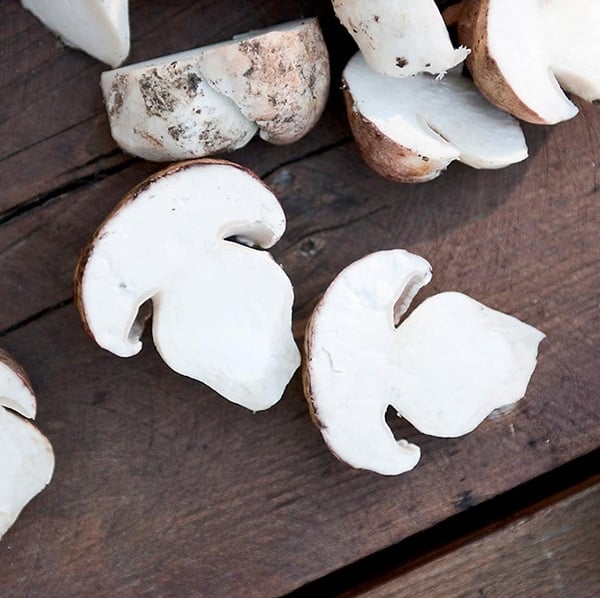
point(90, 179)
point(454, 533)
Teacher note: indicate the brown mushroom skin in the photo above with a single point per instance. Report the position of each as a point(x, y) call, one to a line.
point(7, 360)
point(472, 32)
point(386, 157)
point(306, 385)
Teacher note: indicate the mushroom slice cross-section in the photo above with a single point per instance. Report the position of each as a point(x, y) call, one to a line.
point(278, 77)
point(445, 368)
point(409, 130)
point(400, 38)
point(523, 51)
point(98, 27)
point(221, 308)
point(26, 457)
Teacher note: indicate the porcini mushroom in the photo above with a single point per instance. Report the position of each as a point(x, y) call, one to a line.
point(98, 27)
point(26, 456)
point(221, 308)
point(400, 38)
point(214, 99)
point(444, 368)
point(278, 77)
point(165, 110)
point(523, 51)
point(409, 130)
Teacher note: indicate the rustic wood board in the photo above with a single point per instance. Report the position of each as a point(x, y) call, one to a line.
point(552, 553)
point(163, 488)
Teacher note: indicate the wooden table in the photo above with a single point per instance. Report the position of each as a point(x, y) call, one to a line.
point(164, 489)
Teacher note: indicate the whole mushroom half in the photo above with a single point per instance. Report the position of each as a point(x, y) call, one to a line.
point(409, 130)
point(185, 241)
point(26, 456)
point(98, 27)
point(400, 38)
point(523, 51)
point(445, 368)
point(214, 99)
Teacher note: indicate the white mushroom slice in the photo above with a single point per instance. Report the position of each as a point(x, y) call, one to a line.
point(400, 38)
point(409, 130)
point(164, 110)
point(445, 368)
point(221, 310)
point(524, 50)
point(26, 457)
point(279, 77)
point(98, 27)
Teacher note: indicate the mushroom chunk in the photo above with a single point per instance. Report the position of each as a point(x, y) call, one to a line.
point(409, 130)
point(164, 110)
point(98, 27)
point(221, 309)
point(400, 38)
point(26, 457)
point(214, 99)
point(278, 77)
point(445, 368)
point(523, 51)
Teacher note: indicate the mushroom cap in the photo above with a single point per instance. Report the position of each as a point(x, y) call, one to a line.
point(165, 110)
point(26, 456)
point(98, 27)
point(400, 38)
point(445, 368)
point(278, 77)
point(524, 51)
point(221, 309)
point(409, 130)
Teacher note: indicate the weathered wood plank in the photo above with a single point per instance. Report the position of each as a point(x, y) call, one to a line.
point(52, 122)
point(161, 487)
point(554, 553)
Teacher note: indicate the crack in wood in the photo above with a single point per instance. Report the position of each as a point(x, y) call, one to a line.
point(76, 185)
point(334, 227)
point(458, 530)
point(37, 316)
point(311, 154)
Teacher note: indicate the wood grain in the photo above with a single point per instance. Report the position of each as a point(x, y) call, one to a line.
point(552, 553)
point(163, 488)
point(52, 121)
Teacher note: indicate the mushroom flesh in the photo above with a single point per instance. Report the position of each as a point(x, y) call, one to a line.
point(524, 51)
point(444, 368)
point(26, 456)
point(400, 38)
point(409, 130)
point(221, 308)
point(98, 27)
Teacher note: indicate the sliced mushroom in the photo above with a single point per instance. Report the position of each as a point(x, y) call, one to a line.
point(98, 27)
point(279, 77)
point(445, 368)
point(164, 110)
point(214, 99)
point(409, 130)
point(400, 38)
point(26, 456)
point(221, 309)
point(523, 51)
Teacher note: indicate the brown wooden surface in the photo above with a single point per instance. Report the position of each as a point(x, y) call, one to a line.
point(162, 487)
point(553, 553)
